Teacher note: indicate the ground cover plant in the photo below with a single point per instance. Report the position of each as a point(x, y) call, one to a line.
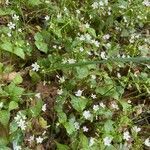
point(74, 75)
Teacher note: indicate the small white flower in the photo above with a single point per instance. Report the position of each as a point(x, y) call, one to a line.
point(92, 141)
point(76, 125)
point(78, 11)
point(118, 75)
point(146, 3)
point(19, 30)
point(102, 105)
point(96, 107)
point(59, 91)
point(7, 2)
point(71, 61)
point(81, 49)
point(55, 46)
point(103, 55)
point(82, 38)
point(16, 147)
point(107, 141)
point(93, 96)
point(11, 25)
point(35, 67)
point(85, 129)
point(87, 114)
point(136, 129)
point(126, 135)
point(62, 79)
point(1, 105)
point(87, 25)
point(88, 37)
point(101, 3)
point(93, 76)
point(96, 43)
point(31, 138)
point(38, 95)
point(95, 5)
point(79, 93)
point(47, 17)
point(39, 140)
point(15, 17)
point(147, 142)
point(44, 107)
point(9, 34)
point(22, 124)
point(59, 16)
point(114, 106)
point(106, 37)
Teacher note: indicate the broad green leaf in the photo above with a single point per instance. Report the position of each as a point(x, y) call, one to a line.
point(14, 91)
point(34, 76)
point(19, 52)
point(38, 37)
point(70, 128)
point(62, 117)
point(34, 2)
point(83, 141)
point(41, 46)
point(13, 105)
point(108, 126)
point(62, 146)
point(82, 72)
point(78, 103)
point(18, 79)
point(43, 122)
point(7, 46)
point(4, 117)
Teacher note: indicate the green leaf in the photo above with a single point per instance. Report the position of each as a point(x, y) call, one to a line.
point(35, 110)
point(14, 91)
point(108, 126)
point(7, 46)
point(34, 76)
point(4, 117)
point(69, 127)
point(34, 2)
point(78, 103)
point(41, 46)
point(18, 79)
point(62, 146)
point(19, 52)
point(83, 141)
point(38, 37)
point(13, 105)
point(62, 117)
point(82, 72)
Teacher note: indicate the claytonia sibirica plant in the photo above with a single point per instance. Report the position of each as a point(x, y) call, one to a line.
point(74, 75)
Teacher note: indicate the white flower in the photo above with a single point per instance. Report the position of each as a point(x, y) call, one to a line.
point(9, 34)
point(1, 105)
point(87, 114)
point(82, 38)
point(15, 17)
point(88, 37)
point(59, 16)
point(136, 129)
point(31, 138)
point(102, 105)
point(62, 79)
point(103, 55)
point(95, 5)
point(118, 75)
point(7, 2)
point(93, 96)
point(22, 124)
point(81, 49)
point(114, 106)
point(35, 66)
point(79, 93)
point(147, 142)
point(55, 46)
point(93, 76)
point(47, 17)
point(96, 107)
point(11, 25)
point(85, 129)
point(19, 30)
point(87, 25)
point(92, 141)
point(76, 125)
point(146, 2)
point(71, 61)
point(101, 3)
point(59, 91)
point(44, 107)
point(96, 43)
point(38, 95)
point(107, 141)
point(78, 11)
point(126, 136)
point(39, 140)
point(106, 37)
point(16, 147)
